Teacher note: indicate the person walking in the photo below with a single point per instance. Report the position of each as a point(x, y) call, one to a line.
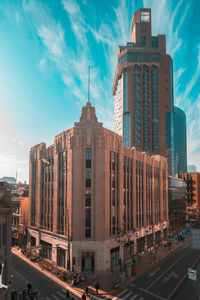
point(67, 294)
point(97, 287)
point(86, 291)
point(83, 297)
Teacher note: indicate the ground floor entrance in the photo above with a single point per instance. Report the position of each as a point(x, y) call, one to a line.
point(87, 260)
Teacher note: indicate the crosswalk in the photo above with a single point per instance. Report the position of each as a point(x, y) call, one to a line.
point(127, 294)
point(59, 295)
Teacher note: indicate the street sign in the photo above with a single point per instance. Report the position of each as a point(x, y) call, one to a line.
point(192, 274)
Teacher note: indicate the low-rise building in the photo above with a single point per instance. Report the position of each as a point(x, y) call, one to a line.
point(20, 216)
point(5, 241)
point(95, 203)
point(192, 194)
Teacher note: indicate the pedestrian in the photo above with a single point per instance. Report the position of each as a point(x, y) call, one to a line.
point(86, 290)
point(97, 287)
point(67, 294)
point(83, 296)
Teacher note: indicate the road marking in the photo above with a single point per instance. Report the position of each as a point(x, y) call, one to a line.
point(125, 297)
point(61, 294)
point(55, 297)
point(47, 298)
point(141, 298)
point(22, 276)
point(170, 275)
point(164, 272)
point(182, 279)
point(134, 297)
point(154, 272)
point(119, 295)
point(152, 294)
point(133, 285)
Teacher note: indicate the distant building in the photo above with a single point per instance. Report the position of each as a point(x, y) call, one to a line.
point(21, 214)
point(176, 203)
point(143, 91)
point(192, 193)
point(180, 141)
point(87, 190)
point(192, 168)
point(11, 180)
point(5, 239)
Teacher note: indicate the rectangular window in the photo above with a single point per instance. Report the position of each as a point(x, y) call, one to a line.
point(4, 234)
point(114, 257)
point(129, 250)
point(88, 222)
point(88, 168)
point(126, 129)
point(88, 199)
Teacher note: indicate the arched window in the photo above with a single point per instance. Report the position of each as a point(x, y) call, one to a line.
point(137, 68)
point(146, 68)
point(154, 69)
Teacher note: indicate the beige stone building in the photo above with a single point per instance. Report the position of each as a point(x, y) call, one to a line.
point(95, 203)
point(5, 241)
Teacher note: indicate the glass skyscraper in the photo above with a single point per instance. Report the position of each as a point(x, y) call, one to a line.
point(180, 142)
point(143, 91)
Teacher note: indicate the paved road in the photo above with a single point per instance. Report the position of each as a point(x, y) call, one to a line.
point(161, 281)
point(25, 273)
point(189, 287)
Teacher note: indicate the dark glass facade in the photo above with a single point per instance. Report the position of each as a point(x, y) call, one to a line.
point(176, 201)
point(180, 142)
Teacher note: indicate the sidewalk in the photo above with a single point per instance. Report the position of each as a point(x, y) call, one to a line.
point(143, 264)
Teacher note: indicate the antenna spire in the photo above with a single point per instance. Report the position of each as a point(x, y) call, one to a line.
point(89, 84)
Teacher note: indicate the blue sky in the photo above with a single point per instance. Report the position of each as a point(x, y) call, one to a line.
point(45, 50)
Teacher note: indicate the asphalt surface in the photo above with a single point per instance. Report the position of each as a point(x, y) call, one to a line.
point(163, 280)
point(24, 273)
point(189, 287)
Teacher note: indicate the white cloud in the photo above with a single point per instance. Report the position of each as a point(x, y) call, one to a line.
point(53, 38)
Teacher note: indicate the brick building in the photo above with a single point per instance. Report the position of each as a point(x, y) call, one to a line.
point(192, 193)
point(87, 191)
point(143, 91)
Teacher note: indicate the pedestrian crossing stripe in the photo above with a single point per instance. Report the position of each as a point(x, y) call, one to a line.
point(61, 294)
point(55, 297)
point(127, 296)
point(134, 297)
point(120, 294)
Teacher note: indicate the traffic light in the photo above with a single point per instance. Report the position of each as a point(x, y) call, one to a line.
point(17, 235)
point(74, 260)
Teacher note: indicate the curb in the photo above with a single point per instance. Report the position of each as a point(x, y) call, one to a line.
point(46, 273)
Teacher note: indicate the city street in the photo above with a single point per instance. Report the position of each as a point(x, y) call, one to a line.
point(24, 273)
point(162, 281)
